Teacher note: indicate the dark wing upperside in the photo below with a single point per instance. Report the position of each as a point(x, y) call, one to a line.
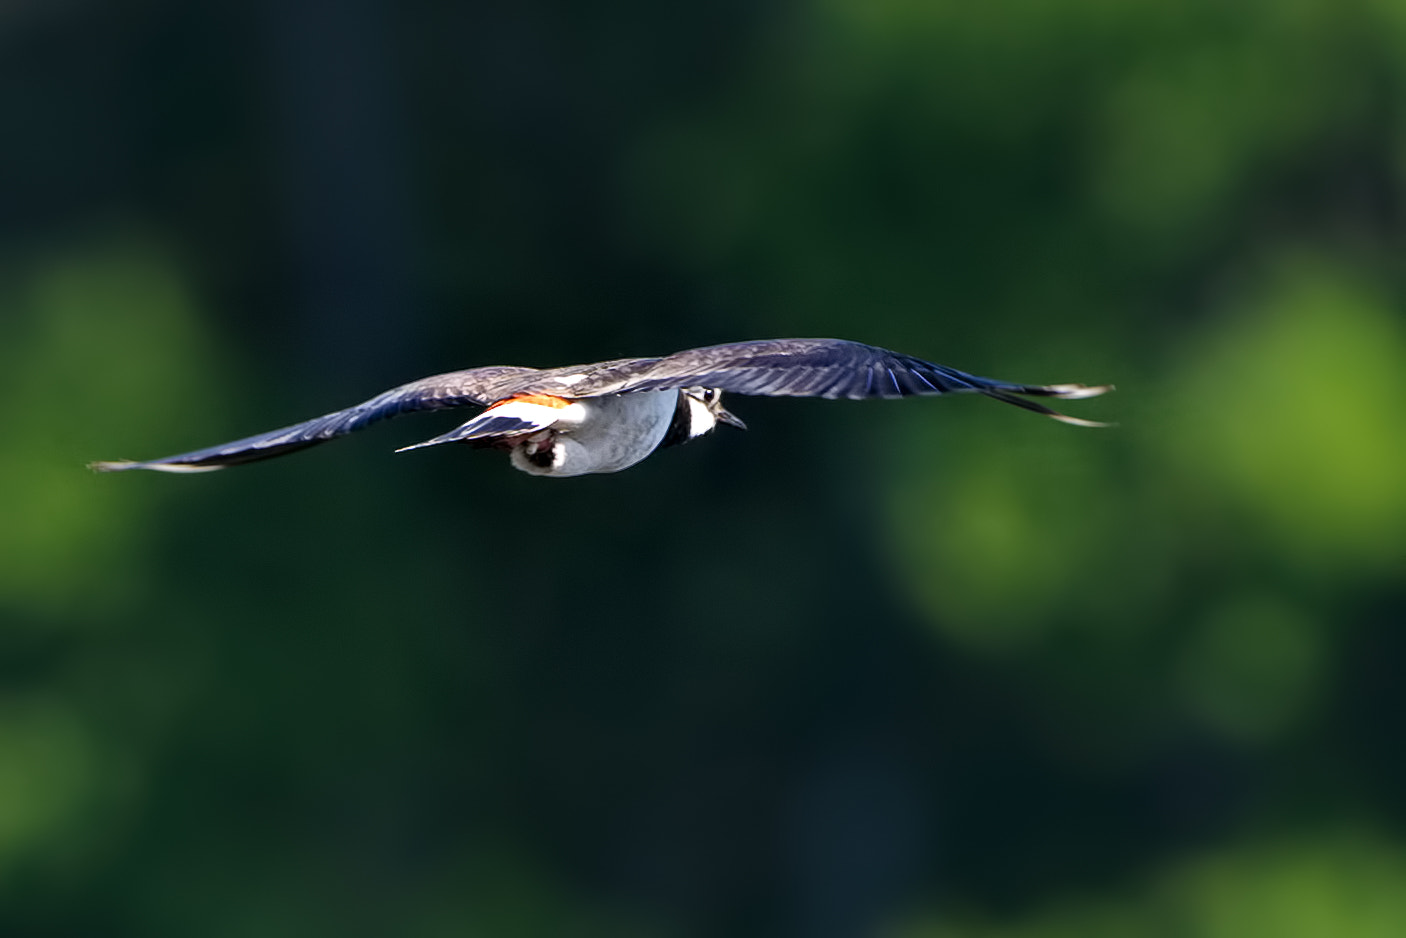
point(476, 386)
point(829, 368)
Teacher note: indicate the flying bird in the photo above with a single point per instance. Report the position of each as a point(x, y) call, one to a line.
point(607, 416)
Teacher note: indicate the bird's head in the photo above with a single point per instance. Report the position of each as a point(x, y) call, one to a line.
point(706, 411)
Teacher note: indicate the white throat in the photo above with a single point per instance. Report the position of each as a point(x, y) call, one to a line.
point(700, 418)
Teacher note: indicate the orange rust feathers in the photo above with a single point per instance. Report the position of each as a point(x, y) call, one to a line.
point(545, 400)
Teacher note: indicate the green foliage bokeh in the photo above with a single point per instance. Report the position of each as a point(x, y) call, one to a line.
point(926, 668)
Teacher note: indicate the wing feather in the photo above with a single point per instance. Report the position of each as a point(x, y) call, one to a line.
point(830, 368)
point(476, 386)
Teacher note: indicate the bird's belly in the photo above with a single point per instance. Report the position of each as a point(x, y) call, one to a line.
point(615, 433)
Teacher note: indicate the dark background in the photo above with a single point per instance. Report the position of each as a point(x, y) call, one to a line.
point(922, 669)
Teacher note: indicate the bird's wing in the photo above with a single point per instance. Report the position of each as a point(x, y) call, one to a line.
point(476, 386)
point(830, 368)
point(512, 418)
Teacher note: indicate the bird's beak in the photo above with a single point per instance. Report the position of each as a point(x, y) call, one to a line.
point(729, 418)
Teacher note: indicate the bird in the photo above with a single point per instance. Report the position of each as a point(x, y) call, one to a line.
point(607, 416)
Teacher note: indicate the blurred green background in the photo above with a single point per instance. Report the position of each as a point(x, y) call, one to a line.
point(921, 669)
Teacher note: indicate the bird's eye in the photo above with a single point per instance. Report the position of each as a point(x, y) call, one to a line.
point(710, 395)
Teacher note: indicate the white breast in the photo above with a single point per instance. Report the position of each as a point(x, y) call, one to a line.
point(613, 433)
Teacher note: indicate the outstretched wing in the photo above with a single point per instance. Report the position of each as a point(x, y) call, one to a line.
point(476, 386)
point(830, 368)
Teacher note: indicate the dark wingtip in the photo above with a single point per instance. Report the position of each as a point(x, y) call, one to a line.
point(1068, 392)
point(122, 465)
point(1078, 421)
